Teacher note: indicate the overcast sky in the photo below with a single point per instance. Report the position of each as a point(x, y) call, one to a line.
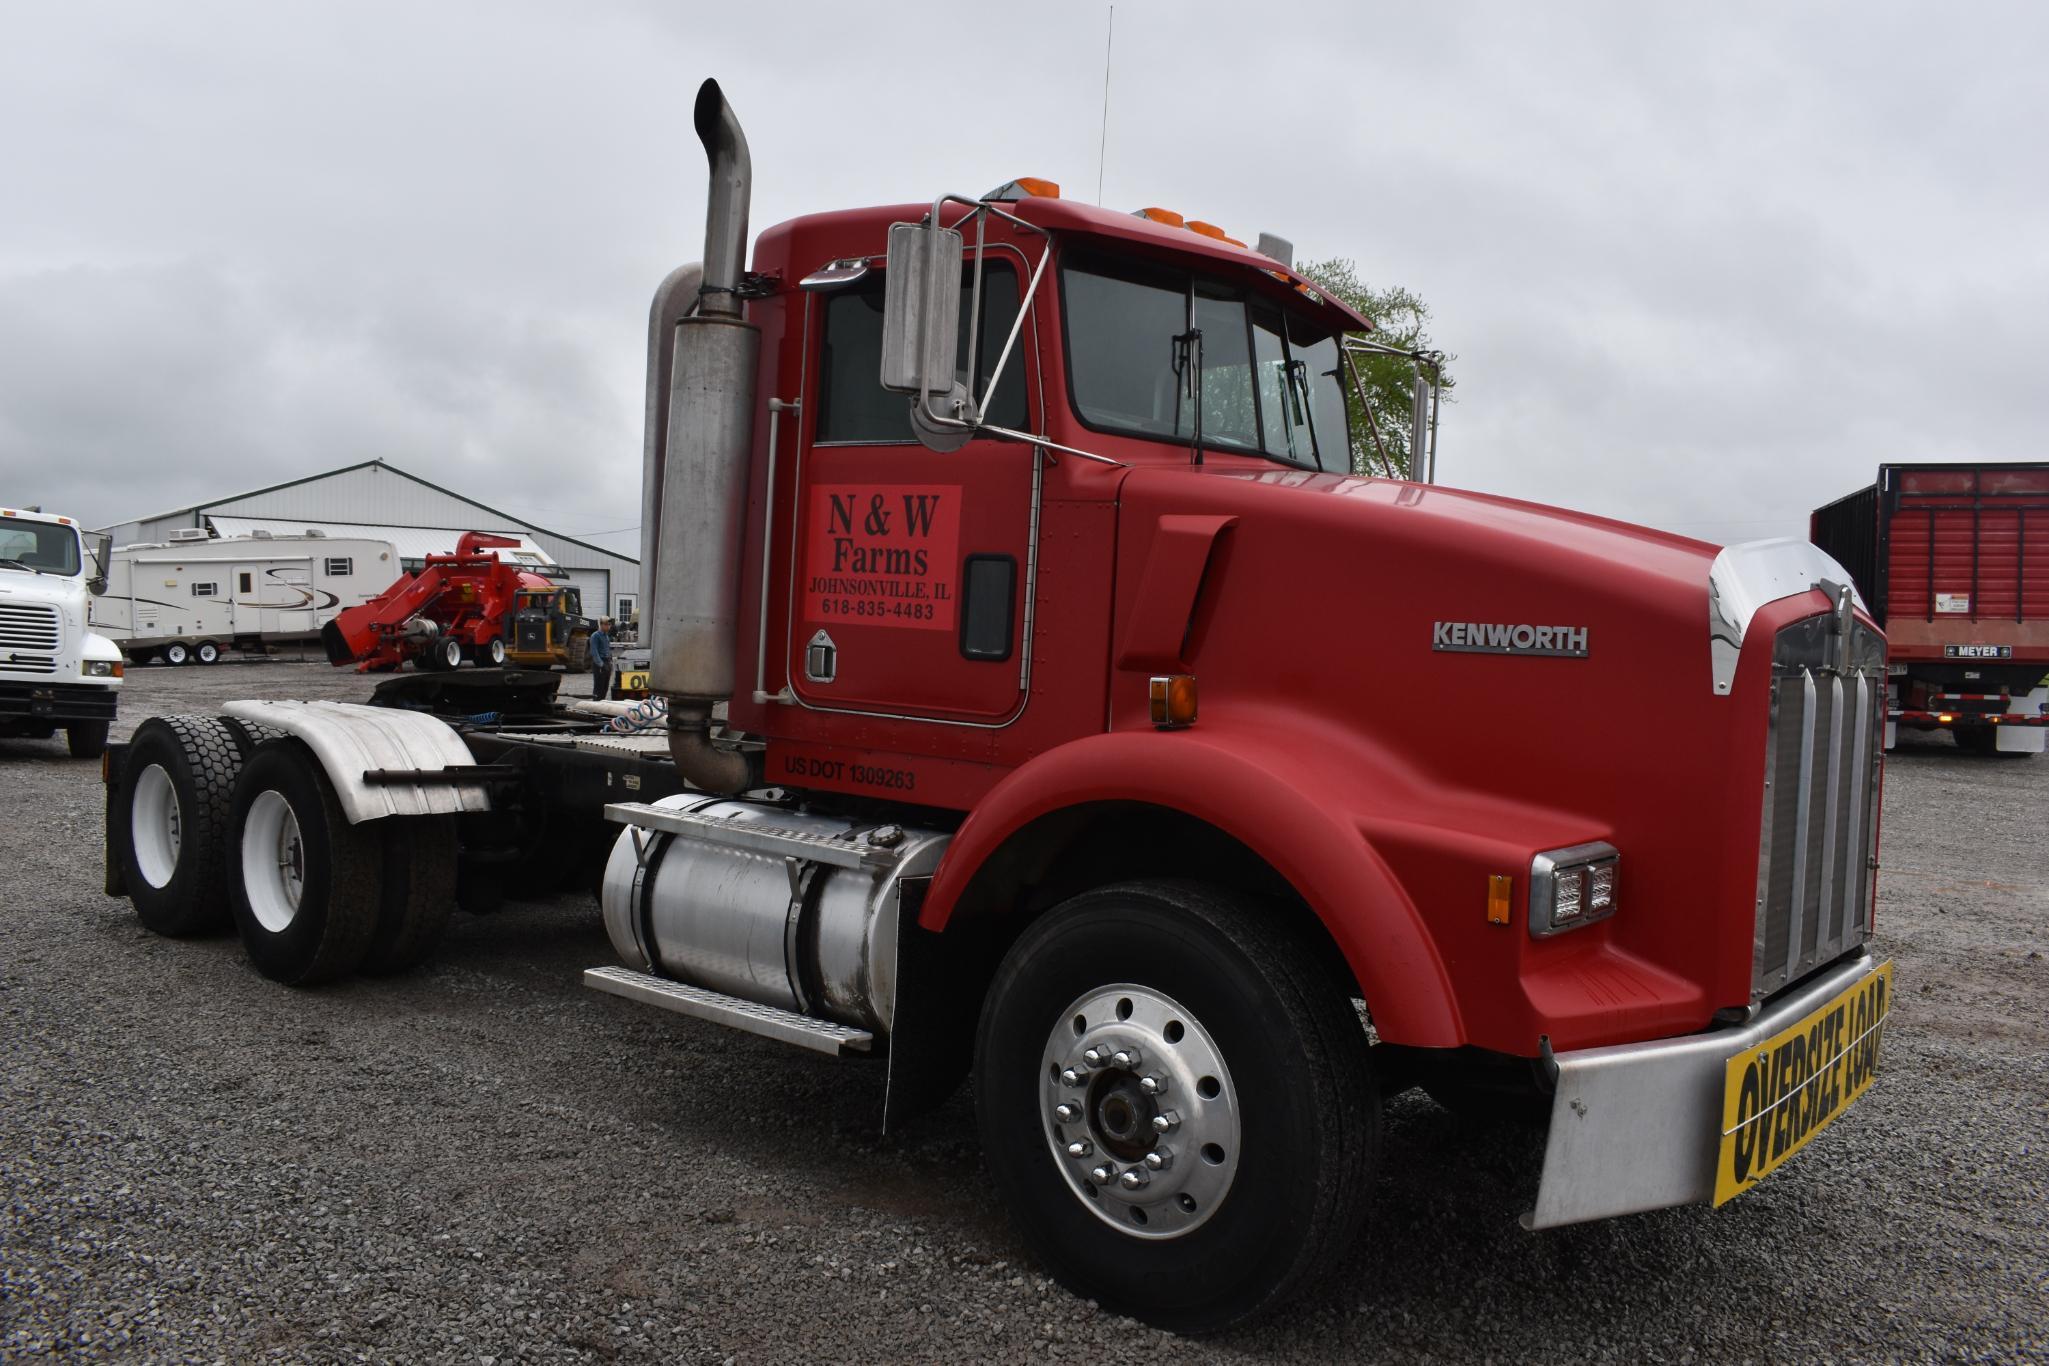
point(1703, 269)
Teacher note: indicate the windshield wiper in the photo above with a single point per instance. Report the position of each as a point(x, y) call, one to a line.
point(17, 564)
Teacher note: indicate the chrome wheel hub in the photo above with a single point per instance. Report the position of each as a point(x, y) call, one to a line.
point(1140, 1113)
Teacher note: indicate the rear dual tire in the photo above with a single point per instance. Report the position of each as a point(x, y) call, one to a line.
point(317, 898)
point(171, 821)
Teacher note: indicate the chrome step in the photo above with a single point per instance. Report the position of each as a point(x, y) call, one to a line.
point(756, 838)
point(820, 1036)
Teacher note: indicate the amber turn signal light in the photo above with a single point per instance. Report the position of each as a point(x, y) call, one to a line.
point(1499, 886)
point(1173, 700)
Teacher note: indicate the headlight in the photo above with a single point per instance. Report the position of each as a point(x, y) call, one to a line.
point(100, 668)
point(1572, 887)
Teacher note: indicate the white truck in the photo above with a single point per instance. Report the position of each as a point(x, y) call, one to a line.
point(186, 600)
point(55, 673)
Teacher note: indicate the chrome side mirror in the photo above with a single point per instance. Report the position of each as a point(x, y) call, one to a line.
point(921, 309)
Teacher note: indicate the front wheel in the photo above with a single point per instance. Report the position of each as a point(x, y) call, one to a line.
point(495, 652)
point(87, 739)
point(1175, 1103)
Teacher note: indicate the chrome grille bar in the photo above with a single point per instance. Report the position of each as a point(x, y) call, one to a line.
point(1797, 911)
point(1853, 865)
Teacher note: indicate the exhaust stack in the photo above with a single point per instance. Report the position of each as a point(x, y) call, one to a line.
point(695, 480)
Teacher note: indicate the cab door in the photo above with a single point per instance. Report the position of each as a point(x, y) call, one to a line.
point(911, 564)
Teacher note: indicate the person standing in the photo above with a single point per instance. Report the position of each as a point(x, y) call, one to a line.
point(601, 659)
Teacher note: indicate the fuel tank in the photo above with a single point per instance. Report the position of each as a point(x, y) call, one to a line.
point(775, 928)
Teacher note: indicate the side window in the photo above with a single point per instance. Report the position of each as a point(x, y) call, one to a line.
point(852, 404)
point(205, 590)
point(339, 567)
point(242, 581)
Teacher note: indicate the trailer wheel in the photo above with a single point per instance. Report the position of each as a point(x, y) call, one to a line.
point(207, 653)
point(177, 652)
point(86, 739)
point(1176, 1106)
point(306, 883)
point(171, 820)
point(495, 652)
point(418, 891)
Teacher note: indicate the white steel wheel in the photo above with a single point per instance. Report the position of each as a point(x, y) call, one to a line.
point(177, 652)
point(448, 652)
point(496, 652)
point(273, 861)
point(1140, 1111)
point(155, 826)
point(208, 652)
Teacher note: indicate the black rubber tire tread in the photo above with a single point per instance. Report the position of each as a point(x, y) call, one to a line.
point(202, 758)
point(86, 739)
point(418, 893)
point(329, 936)
point(1293, 1211)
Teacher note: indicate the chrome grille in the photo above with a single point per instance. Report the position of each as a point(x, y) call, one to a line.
point(1820, 833)
point(28, 626)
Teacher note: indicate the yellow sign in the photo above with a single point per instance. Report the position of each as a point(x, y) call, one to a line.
point(1781, 1093)
point(633, 680)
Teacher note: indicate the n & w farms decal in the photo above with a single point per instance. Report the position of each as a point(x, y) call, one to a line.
point(883, 555)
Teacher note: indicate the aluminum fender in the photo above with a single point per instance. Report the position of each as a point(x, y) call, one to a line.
point(1228, 780)
point(349, 738)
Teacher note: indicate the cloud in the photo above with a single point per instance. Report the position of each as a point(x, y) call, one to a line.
point(1700, 268)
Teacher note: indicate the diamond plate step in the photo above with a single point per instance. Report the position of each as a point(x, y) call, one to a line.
point(820, 1036)
point(755, 838)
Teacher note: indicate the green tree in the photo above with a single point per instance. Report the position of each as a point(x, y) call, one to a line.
point(1401, 320)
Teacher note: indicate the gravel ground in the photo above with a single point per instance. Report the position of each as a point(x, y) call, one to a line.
point(483, 1162)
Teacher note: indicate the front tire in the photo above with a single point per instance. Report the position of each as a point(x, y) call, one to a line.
point(1208, 1179)
point(87, 739)
point(306, 883)
point(495, 652)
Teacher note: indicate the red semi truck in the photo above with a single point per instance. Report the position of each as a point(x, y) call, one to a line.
point(1039, 685)
point(1954, 560)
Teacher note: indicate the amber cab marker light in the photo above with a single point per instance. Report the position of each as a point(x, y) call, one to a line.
point(1499, 886)
point(1041, 189)
point(1173, 700)
point(1164, 216)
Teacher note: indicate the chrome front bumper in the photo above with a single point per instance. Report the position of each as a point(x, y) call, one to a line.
point(1638, 1126)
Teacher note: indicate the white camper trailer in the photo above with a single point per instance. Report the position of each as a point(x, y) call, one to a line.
point(190, 598)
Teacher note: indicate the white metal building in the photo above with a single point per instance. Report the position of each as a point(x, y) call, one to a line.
point(383, 502)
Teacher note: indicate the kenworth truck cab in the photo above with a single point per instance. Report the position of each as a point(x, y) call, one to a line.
point(54, 671)
point(1038, 682)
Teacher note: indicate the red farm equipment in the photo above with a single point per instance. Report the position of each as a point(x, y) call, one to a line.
point(456, 607)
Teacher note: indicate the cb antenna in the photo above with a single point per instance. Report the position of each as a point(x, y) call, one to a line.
point(1109, 39)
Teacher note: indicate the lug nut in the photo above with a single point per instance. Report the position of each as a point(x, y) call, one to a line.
point(1081, 1147)
point(1153, 1085)
point(1167, 1121)
point(1094, 1057)
point(1068, 1113)
point(1103, 1175)
point(1159, 1159)
point(1135, 1179)
point(1125, 1057)
point(1072, 1077)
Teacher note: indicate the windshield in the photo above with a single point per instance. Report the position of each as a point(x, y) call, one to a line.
point(1272, 380)
point(46, 546)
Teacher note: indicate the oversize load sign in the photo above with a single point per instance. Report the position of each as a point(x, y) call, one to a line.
point(1781, 1093)
point(883, 554)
